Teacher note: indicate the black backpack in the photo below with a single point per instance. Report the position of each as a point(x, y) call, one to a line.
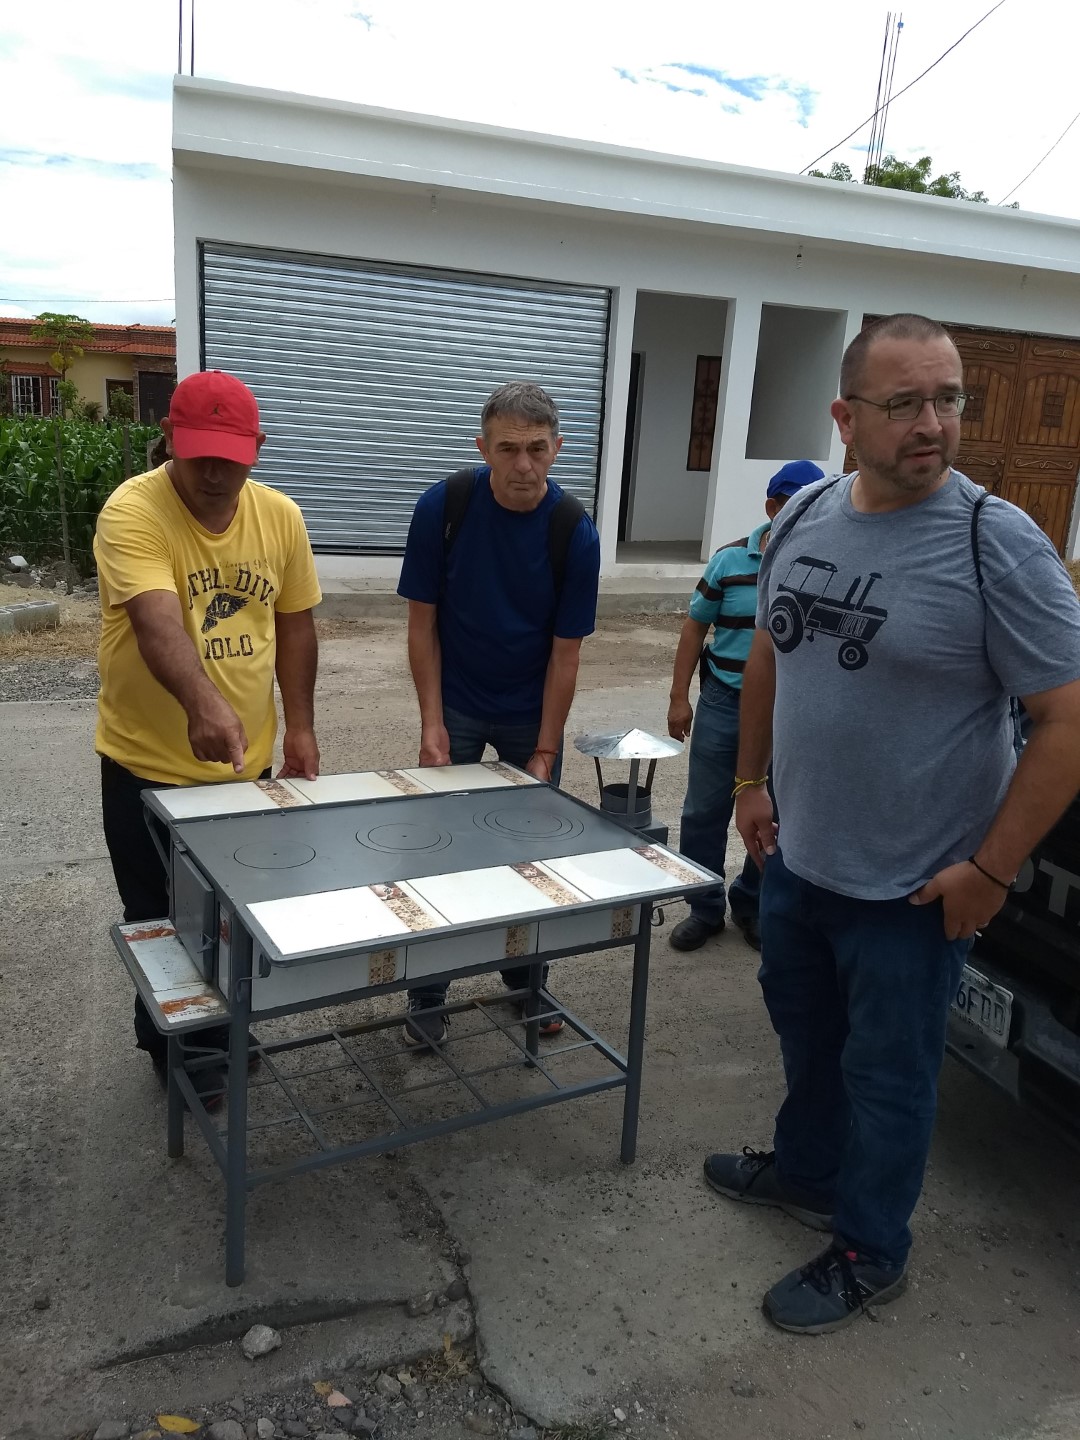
point(562, 523)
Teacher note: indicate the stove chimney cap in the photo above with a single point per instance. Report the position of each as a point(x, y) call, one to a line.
point(628, 745)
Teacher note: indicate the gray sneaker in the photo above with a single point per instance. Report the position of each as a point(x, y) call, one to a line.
point(831, 1292)
point(425, 1028)
point(751, 1177)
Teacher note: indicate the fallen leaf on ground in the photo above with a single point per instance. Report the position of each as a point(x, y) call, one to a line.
point(322, 1387)
point(177, 1424)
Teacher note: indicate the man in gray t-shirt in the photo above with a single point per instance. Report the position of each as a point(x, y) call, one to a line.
point(899, 608)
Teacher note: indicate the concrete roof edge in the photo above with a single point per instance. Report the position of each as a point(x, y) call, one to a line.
point(741, 198)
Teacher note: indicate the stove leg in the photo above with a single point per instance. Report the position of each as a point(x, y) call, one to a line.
point(636, 1045)
point(175, 1100)
point(532, 1009)
point(236, 1097)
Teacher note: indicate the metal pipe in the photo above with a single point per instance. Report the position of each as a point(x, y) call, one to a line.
point(636, 1043)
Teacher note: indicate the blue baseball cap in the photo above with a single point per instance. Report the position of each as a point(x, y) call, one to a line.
point(792, 477)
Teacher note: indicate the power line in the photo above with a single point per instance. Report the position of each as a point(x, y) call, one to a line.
point(1035, 167)
point(906, 88)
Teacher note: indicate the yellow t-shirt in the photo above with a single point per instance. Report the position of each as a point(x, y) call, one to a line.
point(229, 585)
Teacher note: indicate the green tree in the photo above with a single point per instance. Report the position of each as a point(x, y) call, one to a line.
point(68, 334)
point(894, 174)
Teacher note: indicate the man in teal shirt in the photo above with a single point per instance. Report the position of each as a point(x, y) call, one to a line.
point(725, 601)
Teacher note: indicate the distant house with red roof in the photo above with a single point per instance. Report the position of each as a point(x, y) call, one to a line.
point(138, 359)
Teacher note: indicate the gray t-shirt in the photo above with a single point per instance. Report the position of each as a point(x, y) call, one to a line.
point(892, 737)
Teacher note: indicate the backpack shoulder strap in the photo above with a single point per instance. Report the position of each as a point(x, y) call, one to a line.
point(561, 526)
point(980, 501)
point(459, 491)
point(805, 503)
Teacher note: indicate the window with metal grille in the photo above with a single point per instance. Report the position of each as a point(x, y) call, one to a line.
point(26, 394)
point(1053, 410)
point(976, 402)
point(54, 395)
point(703, 414)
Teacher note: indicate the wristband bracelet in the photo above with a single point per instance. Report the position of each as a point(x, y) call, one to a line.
point(741, 785)
point(553, 753)
point(1005, 885)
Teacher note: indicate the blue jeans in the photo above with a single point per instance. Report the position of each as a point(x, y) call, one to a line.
point(708, 807)
point(858, 992)
point(514, 744)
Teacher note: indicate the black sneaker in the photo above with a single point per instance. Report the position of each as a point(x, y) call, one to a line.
point(425, 1027)
point(830, 1292)
point(752, 1177)
point(691, 933)
point(749, 928)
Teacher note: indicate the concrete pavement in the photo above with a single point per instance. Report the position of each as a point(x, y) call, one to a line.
point(592, 1285)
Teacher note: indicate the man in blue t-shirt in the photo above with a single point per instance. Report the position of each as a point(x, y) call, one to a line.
point(494, 640)
point(726, 600)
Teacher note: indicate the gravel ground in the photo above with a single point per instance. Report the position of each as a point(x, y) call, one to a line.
point(48, 679)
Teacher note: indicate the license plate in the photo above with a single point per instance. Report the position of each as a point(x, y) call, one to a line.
point(984, 1006)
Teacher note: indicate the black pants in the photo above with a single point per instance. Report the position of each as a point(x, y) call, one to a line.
point(143, 885)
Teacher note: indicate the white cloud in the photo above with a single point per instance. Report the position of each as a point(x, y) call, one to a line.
point(794, 79)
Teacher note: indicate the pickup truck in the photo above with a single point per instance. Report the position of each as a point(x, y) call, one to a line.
point(1016, 1014)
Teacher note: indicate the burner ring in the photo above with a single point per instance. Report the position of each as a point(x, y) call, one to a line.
point(528, 822)
point(404, 838)
point(274, 857)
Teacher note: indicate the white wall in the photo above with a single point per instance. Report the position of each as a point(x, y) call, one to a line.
point(798, 361)
point(670, 331)
point(357, 216)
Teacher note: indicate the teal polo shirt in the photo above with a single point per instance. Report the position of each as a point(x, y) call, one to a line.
point(726, 599)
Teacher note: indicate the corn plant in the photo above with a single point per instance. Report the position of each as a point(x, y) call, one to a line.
point(93, 464)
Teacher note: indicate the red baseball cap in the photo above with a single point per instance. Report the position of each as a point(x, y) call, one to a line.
point(214, 414)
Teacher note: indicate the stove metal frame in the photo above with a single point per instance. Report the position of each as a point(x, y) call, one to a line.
point(229, 1144)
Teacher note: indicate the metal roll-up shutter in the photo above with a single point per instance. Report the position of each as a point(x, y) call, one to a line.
point(371, 377)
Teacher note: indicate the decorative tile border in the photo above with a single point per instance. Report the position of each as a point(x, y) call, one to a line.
point(405, 783)
point(406, 908)
point(517, 940)
point(382, 967)
point(507, 772)
point(622, 922)
point(548, 884)
point(669, 864)
point(281, 794)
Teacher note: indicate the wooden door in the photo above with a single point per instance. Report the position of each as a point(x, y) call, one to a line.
point(1044, 452)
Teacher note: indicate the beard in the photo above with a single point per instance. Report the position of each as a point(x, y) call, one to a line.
point(912, 478)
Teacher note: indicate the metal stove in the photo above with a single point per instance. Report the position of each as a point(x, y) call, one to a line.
point(293, 895)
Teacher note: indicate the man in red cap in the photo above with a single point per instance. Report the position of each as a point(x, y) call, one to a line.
point(207, 586)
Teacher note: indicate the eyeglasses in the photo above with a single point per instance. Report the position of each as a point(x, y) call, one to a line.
point(909, 407)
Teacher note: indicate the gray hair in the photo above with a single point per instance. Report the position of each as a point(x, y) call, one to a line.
point(521, 400)
point(890, 327)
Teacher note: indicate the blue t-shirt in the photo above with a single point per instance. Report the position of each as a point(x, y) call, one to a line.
point(497, 609)
point(726, 599)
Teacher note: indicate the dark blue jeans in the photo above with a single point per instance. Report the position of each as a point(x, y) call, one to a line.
point(708, 807)
point(514, 744)
point(858, 992)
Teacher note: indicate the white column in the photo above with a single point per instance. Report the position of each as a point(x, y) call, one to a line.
point(609, 492)
point(837, 448)
point(186, 271)
point(732, 418)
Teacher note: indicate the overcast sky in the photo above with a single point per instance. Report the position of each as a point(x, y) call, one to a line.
point(85, 211)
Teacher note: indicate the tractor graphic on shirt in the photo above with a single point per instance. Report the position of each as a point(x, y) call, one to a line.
point(803, 608)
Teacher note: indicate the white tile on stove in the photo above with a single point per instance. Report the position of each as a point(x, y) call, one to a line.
point(200, 802)
point(458, 952)
point(563, 932)
point(301, 923)
point(609, 874)
point(330, 789)
point(469, 897)
point(165, 962)
point(290, 985)
point(443, 778)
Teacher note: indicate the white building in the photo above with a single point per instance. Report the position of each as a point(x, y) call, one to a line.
point(374, 274)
